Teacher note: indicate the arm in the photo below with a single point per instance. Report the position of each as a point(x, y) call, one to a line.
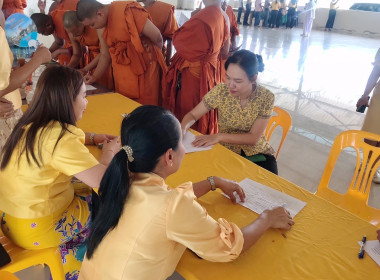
point(94, 175)
point(103, 61)
point(77, 52)
point(275, 218)
point(20, 75)
point(153, 33)
point(372, 81)
point(58, 43)
point(2, 18)
point(91, 65)
point(224, 52)
point(250, 138)
point(190, 118)
point(227, 186)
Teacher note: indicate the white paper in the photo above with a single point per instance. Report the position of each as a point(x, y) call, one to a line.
point(90, 87)
point(372, 248)
point(189, 148)
point(259, 198)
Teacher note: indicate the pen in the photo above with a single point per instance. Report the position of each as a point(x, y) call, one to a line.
point(361, 252)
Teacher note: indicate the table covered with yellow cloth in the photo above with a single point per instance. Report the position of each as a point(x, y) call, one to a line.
point(323, 243)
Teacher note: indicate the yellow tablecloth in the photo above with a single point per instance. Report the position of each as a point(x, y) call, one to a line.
point(321, 245)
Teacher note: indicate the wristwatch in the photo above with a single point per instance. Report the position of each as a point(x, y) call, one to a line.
point(92, 138)
point(212, 182)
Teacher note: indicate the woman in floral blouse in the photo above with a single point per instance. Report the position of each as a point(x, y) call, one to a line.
point(244, 108)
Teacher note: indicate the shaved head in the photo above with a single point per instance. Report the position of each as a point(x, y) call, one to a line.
point(87, 9)
point(70, 19)
point(44, 23)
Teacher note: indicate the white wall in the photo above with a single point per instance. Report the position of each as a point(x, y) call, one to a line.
point(350, 22)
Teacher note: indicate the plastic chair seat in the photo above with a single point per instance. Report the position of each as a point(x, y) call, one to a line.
point(21, 258)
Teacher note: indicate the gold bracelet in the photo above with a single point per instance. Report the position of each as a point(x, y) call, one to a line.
point(212, 182)
point(92, 135)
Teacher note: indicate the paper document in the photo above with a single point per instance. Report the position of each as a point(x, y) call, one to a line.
point(259, 198)
point(90, 87)
point(372, 248)
point(189, 148)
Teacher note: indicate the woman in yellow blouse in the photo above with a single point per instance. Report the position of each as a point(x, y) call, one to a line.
point(40, 206)
point(244, 108)
point(275, 6)
point(143, 226)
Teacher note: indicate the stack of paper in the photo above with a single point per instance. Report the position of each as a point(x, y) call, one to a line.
point(189, 148)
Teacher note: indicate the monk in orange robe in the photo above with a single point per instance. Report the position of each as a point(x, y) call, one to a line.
point(195, 68)
point(83, 37)
point(11, 7)
point(135, 47)
point(53, 24)
point(234, 31)
point(163, 17)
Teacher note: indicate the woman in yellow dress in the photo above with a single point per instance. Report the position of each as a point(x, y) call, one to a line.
point(40, 205)
point(244, 108)
point(143, 226)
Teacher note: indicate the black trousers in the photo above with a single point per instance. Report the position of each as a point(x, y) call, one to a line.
point(269, 163)
point(246, 15)
point(291, 17)
point(240, 11)
point(331, 19)
point(273, 18)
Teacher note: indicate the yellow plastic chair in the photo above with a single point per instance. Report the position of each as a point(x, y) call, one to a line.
point(355, 199)
point(21, 258)
point(282, 119)
point(5, 275)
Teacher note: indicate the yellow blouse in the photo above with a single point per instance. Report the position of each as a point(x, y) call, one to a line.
point(27, 191)
point(6, 62)
point(156, 226)
point(234, 120)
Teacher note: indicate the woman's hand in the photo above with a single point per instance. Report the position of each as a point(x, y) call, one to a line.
point(100, 138)
point(278, 218)
point(229, 187)
point(89, 79)
point(112, 145)
point(206, 140)
point(362, 101)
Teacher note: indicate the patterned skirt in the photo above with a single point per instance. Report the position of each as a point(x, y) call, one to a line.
point(68, 229)
point(6, 127)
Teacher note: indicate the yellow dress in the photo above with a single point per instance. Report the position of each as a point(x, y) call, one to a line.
point(6, 61)
point(234, 120)
point(372, 118)
point(155, 228)
point(40, 207)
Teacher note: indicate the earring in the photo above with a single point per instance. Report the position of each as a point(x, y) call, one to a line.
point(171, 164)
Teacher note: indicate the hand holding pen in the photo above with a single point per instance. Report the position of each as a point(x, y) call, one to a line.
point(361, 252)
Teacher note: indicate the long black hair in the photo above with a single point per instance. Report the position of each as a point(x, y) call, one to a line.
point(56, 91)
point(251, 63)
point(149, 131)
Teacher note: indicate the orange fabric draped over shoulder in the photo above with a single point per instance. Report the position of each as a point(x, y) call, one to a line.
point(11, 7)
point(138, 64)
point(90, 39)
point(195, 68)
point(163, 17)
point(59, 31)
point(67, 5)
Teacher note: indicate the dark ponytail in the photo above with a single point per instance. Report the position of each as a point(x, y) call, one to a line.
point(149, 131)
point(251, 63)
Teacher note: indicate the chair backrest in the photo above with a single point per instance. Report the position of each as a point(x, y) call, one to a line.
point(282, 119)
point(355, 199)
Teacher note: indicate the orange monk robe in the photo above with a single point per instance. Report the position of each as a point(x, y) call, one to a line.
point(138, 65)
point(234, 31)
point(67, 5)
point(11, 7)
point(60, 32)
point(163, 17)
point(90, 39)
point(195, 68)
